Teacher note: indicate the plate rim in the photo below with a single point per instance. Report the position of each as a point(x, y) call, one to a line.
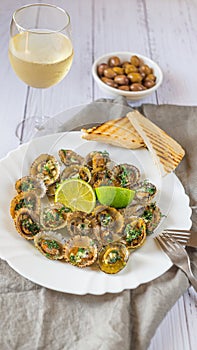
point(91, 290)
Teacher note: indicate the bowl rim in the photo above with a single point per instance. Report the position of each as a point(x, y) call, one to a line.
point(122, 92)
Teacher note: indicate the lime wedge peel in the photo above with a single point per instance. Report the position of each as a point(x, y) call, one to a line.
point(116, 197)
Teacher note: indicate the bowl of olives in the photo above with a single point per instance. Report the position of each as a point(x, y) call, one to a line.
point(127, 74)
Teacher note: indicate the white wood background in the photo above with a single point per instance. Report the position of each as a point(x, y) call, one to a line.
point(164, 30)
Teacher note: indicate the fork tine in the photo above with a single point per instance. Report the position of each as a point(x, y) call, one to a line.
point(181, 240)
point(172, 242)
point(180, 237)
point(181, 231)
point(161, 242)
point(169, 241)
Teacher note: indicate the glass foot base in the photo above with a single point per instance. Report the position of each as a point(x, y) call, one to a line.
point(28, 128)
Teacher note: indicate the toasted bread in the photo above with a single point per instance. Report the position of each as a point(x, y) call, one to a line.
point(166, 152)
point(118, 132)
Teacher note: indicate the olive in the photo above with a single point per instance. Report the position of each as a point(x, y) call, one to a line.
point(101, 68)
point(143, 75)
point(114, 61)
point(109, 82)
point(135, 77)
point(135, 60)
point(137, 87)
point(125, 64)
point(149, 83)
point(150, 77)
point(132, 75)
point(118, 70)
point(109, 73)
point(145, 69)
point(130, 68)
point(124, 87)
point(121, 79)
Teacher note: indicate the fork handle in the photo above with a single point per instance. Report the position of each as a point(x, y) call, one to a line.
point(187, 270)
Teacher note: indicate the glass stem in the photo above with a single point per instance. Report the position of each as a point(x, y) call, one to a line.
point(40, 115)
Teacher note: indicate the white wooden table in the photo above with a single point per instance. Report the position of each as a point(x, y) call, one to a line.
point(166, 31)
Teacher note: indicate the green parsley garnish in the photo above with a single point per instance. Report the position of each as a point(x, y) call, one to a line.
point(105, 219)
point(123, 177)
point(132, 233)
point(51, 244)
point(113, 257)
point(31, 226)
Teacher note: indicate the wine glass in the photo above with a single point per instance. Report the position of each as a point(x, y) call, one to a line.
point(40, 53)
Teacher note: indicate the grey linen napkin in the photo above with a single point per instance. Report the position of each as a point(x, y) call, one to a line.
point(33, 317)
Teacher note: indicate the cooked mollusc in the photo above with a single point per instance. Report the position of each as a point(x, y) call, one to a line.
point(152, 216)
point(80, 223)
point(27, 223)
point(110, 223)
point(46, 167)
point(31, 183)
point(125, 175)
point(70, 172)
point(97, 160)
point(27, 200)
point(80, 251)
point(50, 244)
point(134, 233)
point(144, 191)
point(77, 171)
point(101, 178)
point(133, 210)
point(53, 217)
point(85, 174)
point(69, 157)
point(52, 189)
point(113, 257)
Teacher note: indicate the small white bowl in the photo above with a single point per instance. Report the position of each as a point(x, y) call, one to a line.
point(125, 56)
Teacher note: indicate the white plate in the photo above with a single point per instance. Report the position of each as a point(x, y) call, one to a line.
point(145, 264)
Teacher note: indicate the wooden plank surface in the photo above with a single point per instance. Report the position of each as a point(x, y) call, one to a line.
point(166, 31)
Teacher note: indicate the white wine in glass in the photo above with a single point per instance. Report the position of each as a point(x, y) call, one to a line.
point(40, 52)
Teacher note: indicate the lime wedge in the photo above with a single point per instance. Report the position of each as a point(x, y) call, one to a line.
point(116, 197)
point(76, 194)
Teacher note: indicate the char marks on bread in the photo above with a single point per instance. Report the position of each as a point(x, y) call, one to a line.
point(165, 151)
point(117, 132)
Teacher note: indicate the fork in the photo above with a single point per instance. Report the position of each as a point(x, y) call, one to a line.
point(185, 237)
point(178, 256)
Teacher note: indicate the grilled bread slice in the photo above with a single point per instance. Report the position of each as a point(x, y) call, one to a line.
point(166, 152)
point(117, 132)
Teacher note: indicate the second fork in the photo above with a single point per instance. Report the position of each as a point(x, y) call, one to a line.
point(178, 256)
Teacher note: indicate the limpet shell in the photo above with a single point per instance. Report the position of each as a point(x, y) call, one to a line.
point(134, 234)
point(97, 160)
point(31, 183)
point(27, 223)
point(144, 192)
point(85, 174)
point(152, 217)
point(27, 200)
point(80, 223)
point(47, 168)
point(133, 210)
point(125, 175)
point(110, 223)
point(113, 257)
point(53, 217)
point(80, 251)
point(50, 244)
point(69, 172)
point(69, 157)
